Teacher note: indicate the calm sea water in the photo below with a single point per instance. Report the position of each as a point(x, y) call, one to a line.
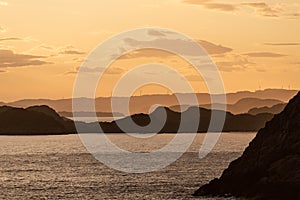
point(91, 119)
point(59, 167)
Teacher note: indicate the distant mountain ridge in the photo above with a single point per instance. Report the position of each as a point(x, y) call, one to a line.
point(245, 104)
point(90, 114)
point(273, 110)
point(242, 106)
point(142, 104)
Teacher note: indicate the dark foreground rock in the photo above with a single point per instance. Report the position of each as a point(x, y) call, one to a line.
point(270, 166)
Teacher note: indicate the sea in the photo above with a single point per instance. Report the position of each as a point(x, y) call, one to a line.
point(60, 167)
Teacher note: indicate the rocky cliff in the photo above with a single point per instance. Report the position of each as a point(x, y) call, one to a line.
point(270, 166)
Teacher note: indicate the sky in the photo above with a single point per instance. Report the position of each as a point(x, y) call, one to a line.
point(254, 44)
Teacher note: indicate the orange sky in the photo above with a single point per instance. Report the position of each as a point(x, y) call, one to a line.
point(42, 43)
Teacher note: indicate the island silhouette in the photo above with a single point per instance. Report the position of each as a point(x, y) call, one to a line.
point(45, 120)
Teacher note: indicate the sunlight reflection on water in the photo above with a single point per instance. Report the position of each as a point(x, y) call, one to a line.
point(59, 167)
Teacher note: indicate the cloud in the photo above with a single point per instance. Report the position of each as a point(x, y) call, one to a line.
point(85, 70)
point(156, 33)
point(146, 53)
point(265, 9)
point(221, 6)
point(283, 44)
point(72, 52)
point(261, 70)
point(3, 3)
point(231, 66)
point(10, 59)
point(264, 54)
point(196, 2)
point(114, 71)
point(261, 8)
point(212, 48)
point(185, 47)
point(2, 71)
point(234, 63)
point(72, 72)
point(109, 71)
point(209, 4)
point(9, 39)
point(160, 33)
point(46, 47)
point(294, 15)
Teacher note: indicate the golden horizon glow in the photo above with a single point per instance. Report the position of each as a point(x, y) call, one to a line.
point(255, 44)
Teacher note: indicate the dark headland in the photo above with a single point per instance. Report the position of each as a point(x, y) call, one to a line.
point(35, 120)
point(270, 166)
point(44, 120)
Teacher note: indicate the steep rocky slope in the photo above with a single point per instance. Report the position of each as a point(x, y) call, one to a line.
point(270, 166)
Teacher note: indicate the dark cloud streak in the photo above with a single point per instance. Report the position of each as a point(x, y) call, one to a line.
point(10, 39)
point(10, 59)
point(72, 52)
point(264, 54)
point(261, 8)
point(221, 6)
point(283, 44)
point(212, 48)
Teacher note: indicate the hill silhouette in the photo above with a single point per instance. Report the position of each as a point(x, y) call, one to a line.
point(33, 120)
point(45, 120)
point(142, 104)
point(279, 94)
point(273, 110)
point(245, 104)
point(238, 123)
point(269, 167)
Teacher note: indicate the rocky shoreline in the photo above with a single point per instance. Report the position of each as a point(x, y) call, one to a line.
point(270, 166)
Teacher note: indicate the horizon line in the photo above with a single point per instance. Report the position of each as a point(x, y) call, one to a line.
point(151, 94)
